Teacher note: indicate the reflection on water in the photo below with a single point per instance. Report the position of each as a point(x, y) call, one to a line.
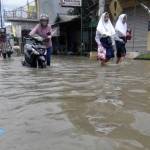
point(75, 105)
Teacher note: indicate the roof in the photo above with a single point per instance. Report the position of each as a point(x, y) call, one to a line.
point(21, 20)
point(61, 18)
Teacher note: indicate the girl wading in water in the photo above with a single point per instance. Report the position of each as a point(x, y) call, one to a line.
point(104, 35)
point(122, 34)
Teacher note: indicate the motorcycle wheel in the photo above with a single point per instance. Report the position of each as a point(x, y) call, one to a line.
point(43, 65)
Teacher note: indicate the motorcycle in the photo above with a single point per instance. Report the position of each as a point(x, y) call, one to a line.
point(35, 52)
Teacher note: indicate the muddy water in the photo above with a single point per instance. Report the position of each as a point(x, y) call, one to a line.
point(75, 105)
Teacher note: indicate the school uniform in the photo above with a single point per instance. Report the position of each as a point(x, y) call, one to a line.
point(121, 45)
point(121, 33)
point(104, 33)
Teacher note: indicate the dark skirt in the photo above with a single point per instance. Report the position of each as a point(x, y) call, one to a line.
point(107, 44)
point(121, 49)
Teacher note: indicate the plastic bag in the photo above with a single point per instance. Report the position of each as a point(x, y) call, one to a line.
point(129, 34)
point(101, 55)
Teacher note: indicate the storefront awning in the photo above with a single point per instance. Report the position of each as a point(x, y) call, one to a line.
point(65, 18)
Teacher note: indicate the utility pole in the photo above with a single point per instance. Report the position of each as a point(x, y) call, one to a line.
point(101, 7)
point(82, 44)
point(28, 4)
point(1, 17)
point(28, 7)
point(37, 8)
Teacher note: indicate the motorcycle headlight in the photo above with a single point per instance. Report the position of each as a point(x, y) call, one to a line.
point(45, 52)
point(42, 51)
point(35, 52)
point(28, 46)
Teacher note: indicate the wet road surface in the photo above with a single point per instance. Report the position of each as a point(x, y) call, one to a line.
point(75, 105)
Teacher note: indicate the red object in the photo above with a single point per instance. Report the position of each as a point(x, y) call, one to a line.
point(129, 35)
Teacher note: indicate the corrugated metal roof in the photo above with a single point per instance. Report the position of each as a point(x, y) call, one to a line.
point(65, 18)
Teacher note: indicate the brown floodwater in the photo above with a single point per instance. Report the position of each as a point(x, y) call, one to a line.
point(75, 105)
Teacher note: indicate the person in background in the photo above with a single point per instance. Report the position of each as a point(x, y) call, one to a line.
point(44, 30)
point(122, 35)
point(104, 35)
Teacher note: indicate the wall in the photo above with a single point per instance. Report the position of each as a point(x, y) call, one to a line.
point(51, 7)
point(22, 25)
point(138, 20)
point(139, 25)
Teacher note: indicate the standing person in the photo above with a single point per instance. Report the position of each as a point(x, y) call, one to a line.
point(104, 35)
point(44, 30)
point(121, 34)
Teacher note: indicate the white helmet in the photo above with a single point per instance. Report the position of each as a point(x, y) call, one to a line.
point(44, 17)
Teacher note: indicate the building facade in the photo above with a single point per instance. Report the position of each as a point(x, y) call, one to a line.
point(52, 8)
point(137, 20)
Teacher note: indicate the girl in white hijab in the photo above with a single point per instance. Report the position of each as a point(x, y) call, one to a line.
point(121, 33)
point(121, 24)
point(105, 32)
point(105, 26)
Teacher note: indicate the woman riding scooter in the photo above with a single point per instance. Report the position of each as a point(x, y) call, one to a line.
point(44, 30)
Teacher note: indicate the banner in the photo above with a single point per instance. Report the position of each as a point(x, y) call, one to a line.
point(71, 3)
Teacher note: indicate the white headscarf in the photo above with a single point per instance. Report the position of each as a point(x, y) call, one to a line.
point(120, 26)
point(105, 28)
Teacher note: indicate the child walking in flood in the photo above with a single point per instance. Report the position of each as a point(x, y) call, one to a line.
point(122, 35)
point(105, 32)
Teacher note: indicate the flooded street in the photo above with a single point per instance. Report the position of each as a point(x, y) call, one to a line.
point(75, 105)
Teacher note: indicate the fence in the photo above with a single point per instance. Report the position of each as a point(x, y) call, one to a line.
point(29, 11)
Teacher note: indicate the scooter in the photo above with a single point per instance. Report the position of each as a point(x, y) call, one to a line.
point(34, 52)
